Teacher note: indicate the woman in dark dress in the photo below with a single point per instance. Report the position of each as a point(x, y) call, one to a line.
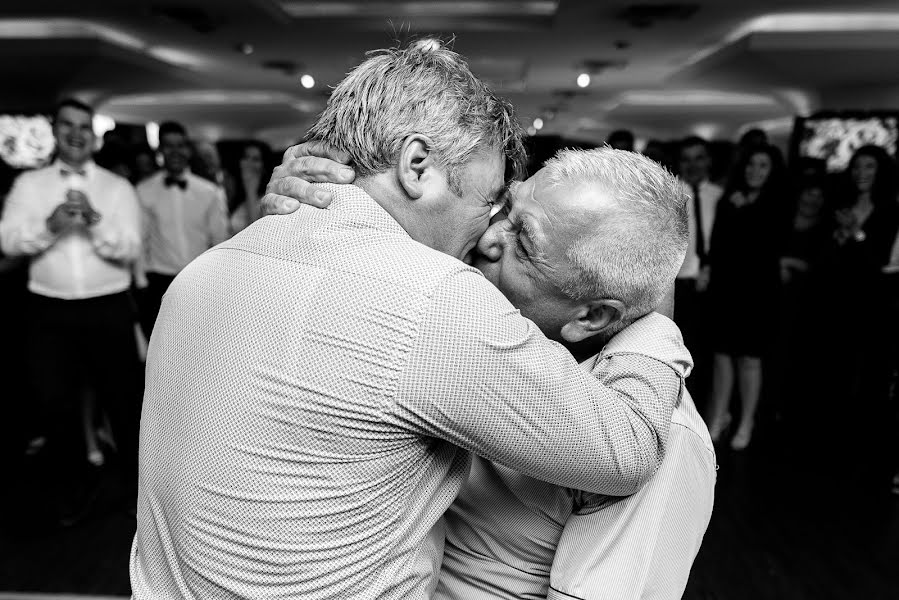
point(862, 320)
point(800, 338)
point(744, 286)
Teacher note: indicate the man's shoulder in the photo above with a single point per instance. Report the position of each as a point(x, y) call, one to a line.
point(108, 178)
point(149, 183)
point(202, 186)
point(688, 422)
point(654, 336)
point(33, 176)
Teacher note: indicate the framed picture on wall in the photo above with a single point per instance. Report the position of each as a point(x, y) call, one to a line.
point(834, 137)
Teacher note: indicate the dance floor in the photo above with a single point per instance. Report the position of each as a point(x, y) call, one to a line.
point(787, 525)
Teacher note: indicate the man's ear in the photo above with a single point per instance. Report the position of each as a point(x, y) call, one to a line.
point(415, 160)
point(592, 318)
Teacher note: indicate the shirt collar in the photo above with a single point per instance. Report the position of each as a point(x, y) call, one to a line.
point(655, 336)
point(88, 167)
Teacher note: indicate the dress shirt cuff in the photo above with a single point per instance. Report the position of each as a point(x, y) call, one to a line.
point(33, 239)
point(113, 245)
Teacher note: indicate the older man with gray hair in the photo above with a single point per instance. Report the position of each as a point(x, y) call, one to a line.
point(311, 455)
point(594, 232)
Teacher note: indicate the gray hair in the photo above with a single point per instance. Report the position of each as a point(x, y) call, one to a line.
point(635, 253)
point(425, 89)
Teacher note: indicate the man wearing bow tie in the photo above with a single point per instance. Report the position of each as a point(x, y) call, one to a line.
point(184, 215)
point(80, 226)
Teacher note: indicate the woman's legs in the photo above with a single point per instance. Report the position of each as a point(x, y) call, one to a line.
point(749, 374)
point(722, 387)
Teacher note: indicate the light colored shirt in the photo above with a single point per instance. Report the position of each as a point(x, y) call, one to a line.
point(78, 264)
point(709, 195)
point(509, 536)
point(180, 224)
point(313, 386)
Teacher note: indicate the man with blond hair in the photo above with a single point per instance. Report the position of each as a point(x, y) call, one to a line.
point(312, 454)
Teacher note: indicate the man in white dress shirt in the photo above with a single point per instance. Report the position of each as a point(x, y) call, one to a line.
point(693, 278)
point(510, 536)
point(184, 215)
point(80, 226)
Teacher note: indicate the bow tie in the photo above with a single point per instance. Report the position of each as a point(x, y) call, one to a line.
point(170, 181)
point(67, 171)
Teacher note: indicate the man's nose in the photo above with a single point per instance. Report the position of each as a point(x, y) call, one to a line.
point(490, 246)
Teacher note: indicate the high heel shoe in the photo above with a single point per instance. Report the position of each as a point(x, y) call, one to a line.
point(718, 427)
point(742, 438)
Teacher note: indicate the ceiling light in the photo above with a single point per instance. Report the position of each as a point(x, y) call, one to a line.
point(532, 131)
point(305, 9)
point(804, 23)
point(583, 80)
point(307, 81)
point(694, 98)
point(538, 123)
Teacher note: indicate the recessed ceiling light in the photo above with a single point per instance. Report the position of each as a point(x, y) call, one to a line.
point(583, 80)
point(538, 123)
point(532, 131)
point(307, 81)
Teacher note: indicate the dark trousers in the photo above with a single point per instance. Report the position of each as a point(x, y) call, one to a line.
point(157, 285)
point(78, 343)
point(691, 316)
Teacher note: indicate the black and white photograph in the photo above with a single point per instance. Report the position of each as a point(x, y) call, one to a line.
point(449, 300)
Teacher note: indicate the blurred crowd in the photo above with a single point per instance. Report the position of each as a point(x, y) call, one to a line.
point(788, 296)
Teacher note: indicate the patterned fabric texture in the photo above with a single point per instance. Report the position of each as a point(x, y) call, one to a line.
point(312, 386)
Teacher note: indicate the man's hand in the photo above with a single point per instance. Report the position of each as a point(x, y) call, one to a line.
point(73, 213)
point(291, 182)
point(79, 199)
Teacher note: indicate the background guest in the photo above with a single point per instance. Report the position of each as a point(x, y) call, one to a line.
point(80, 314)
point(184, 215)
point(867, 218)
point(693, 278)
point(800, 337)
point(621, 139)
point(253, 172)
point(144, 163)
point(744, 278)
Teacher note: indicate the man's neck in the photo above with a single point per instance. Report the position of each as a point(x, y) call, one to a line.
point(77, 165)
point(384, 192)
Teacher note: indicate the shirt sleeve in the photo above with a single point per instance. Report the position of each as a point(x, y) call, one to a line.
point(23, 230)
point(118, 235)
point(217, 217)
point(486, 379)
point(640, 547)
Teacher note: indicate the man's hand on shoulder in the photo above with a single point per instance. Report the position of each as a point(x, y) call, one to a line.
point(302, 165)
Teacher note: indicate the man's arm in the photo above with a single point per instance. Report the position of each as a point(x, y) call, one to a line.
point(640, 547)
point(24, 230)
point(485, 378)
point(117, 236)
